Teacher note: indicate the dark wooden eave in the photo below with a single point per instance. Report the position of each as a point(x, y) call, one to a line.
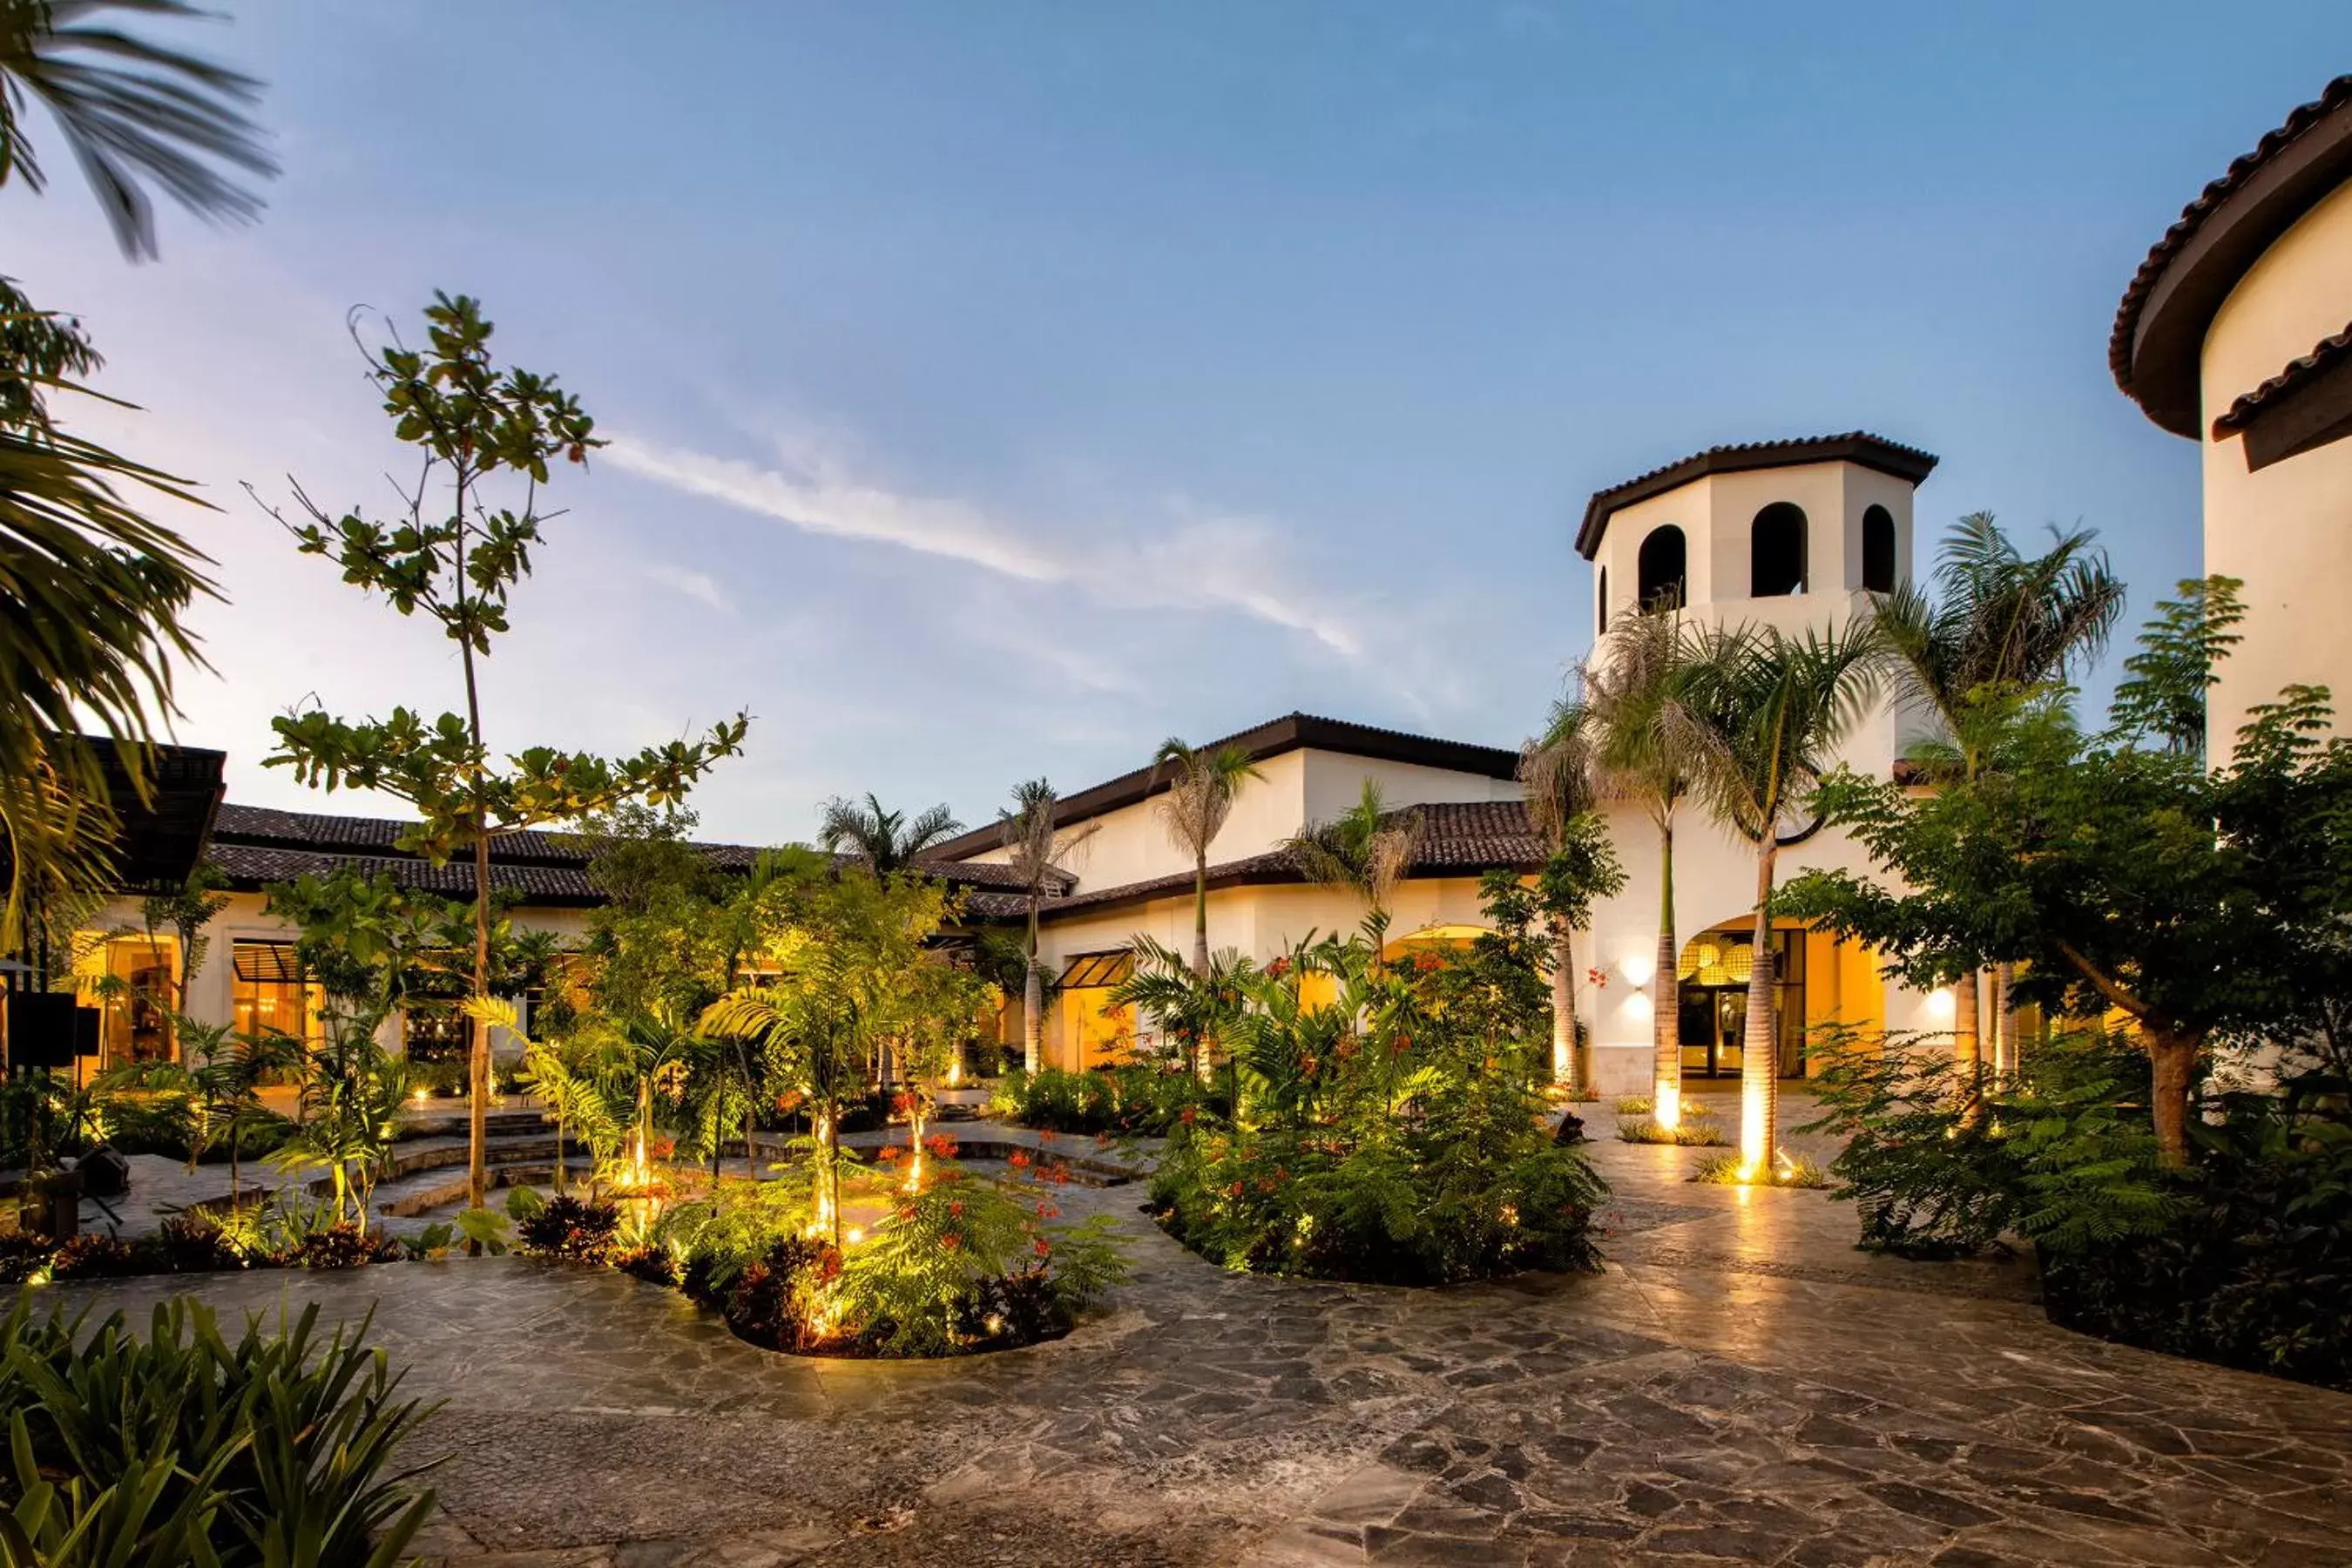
point(1860, 447)
point(2157, 348)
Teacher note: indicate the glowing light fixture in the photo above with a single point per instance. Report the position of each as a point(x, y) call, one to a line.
point(1666, 1104)
point(1638, 967)
point(1941, 1005)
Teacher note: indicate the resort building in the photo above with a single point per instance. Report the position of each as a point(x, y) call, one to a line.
point(2233, 334)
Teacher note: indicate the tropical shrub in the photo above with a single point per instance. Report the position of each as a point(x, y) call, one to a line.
point(564, 1227)
point(1131, 1098)
point(1388, 1121)
point(181, 1447)
point(2243, 1257)
point(341, 1245)
point(93, 1256)
point(653, 1264)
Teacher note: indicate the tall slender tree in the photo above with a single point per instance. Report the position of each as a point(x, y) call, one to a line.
point(456, 556)
point(1202, 788)
point(1038, 850)
point(1630, 683)
point(1999, 625)
point(1763, 710)
point(884, 839)
point(1556, 772)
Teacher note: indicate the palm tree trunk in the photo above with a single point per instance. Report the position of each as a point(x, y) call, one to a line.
point(2004, 1002)
point(478, 1076)
point(1032, 1002)
point(1759, 1045)
point(1200, 913)
point(1564, 1005)
point(1665, 1021)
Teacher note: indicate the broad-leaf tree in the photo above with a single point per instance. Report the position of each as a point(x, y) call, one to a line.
point(1761, 712)
point(454, 553)
point(1202, 788)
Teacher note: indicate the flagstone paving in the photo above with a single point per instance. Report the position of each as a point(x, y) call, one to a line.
point(1740, 1385)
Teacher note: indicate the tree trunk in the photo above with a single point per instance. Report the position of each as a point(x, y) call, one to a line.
point(1968, 1041)
point(477, 1125)
point(1759, 1043)
point(2174, 1056)
point(1564, 1005)
point(1032, 1002)
point(1665, 1021)
point(1200, 914)
point(2004, 1001)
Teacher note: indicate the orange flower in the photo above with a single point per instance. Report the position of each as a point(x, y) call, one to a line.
point(888, 1152)
point(1017, 1159)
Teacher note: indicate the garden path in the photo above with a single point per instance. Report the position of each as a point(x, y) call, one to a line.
point(1740, 1385)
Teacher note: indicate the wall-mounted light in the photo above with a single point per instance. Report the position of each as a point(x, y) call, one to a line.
point(1639, 967)
point(1941, 1005)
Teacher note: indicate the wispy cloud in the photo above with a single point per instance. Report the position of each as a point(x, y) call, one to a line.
point(1179, 556)
point(696, 586)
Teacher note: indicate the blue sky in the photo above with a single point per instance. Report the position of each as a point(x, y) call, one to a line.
point(997, 389)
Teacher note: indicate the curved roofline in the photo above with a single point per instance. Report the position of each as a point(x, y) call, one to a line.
point(1861, 447)
point(1291, 732)
point(2158, 339)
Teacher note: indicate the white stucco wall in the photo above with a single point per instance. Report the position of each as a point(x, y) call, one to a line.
point(2286, 530)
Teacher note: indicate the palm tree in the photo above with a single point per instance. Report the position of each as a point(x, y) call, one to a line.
point(91, 609)
point(2001, 624)
point(133, 113)
point(1363, 851)
point(1630, 684)
point(1557, 774)
point(1199, 797)
point(885, 840)
point(1762, 711)
point(1038, 849)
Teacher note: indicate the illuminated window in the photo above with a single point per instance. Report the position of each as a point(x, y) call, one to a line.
point(270, 996)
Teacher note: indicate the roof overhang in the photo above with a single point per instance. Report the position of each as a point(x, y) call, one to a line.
point(2158, 341)
point(1859, 447)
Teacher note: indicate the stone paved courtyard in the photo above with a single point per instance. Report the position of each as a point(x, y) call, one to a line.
point(1740, 1385)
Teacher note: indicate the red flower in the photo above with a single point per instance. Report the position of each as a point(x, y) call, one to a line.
point(941, 1145)
point(1044, 1248)
point(1017, 1159)
point(956, 1209)
point(788, 1101)
point(1236, 1190)
point(1189, 1115)
point(888, 1152)
point(900, 1104)
point(950, 1240)
point(1048, 1211)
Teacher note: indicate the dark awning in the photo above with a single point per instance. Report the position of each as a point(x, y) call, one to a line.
point(1096, 970)
point(267, 963)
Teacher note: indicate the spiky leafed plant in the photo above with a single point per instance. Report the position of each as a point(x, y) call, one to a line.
point(1038, 849)
point(1629, 684)
point(1761, 712)
point(884, 839)
point(2000, 625)
point(1193, 1003)
point(134, 114)
point(1202, 788)
point(1558, 775)
point(1366, 849)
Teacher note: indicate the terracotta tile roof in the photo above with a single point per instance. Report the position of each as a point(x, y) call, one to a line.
point(256, 845)
point(2287, 172)
point(1457, 840)
point(1860, 446)
point(2324, 356)
point(1292, 732)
